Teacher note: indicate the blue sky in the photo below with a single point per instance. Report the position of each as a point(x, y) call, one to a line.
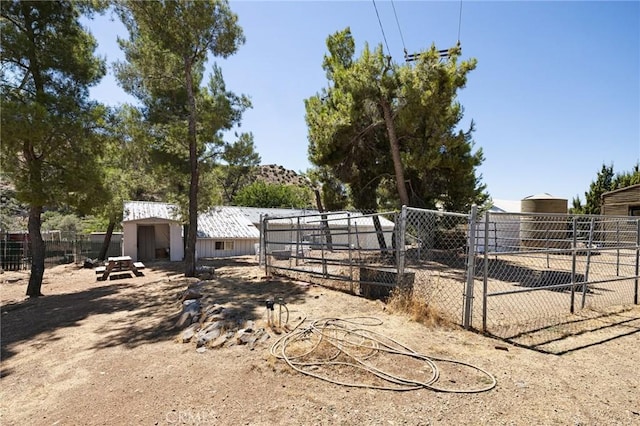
point(555, 95)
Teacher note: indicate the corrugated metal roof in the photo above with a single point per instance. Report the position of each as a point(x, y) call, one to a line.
point(138, 210)
point(254, 213)
point(217, 223)
point(228, 222)
point(222, 223)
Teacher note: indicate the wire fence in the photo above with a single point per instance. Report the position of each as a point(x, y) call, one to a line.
point(529, 278)
point(543, 277)
point(60, 248)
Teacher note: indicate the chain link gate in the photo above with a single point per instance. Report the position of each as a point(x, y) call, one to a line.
point(543, 277)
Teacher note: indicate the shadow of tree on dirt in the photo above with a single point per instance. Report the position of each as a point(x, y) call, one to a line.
point(139, 312)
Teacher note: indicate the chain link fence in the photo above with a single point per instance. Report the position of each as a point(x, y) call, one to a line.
point(347, 251)
point(542, 277)
point(529, 278)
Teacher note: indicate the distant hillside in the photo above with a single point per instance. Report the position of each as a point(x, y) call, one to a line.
point(275, 174)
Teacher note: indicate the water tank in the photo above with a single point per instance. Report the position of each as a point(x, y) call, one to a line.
point(547, 230)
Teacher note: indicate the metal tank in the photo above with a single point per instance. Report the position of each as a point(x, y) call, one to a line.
point(549, 228)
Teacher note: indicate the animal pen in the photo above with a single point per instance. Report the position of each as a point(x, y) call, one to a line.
point(530, 278)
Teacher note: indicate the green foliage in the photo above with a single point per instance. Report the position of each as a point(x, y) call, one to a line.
point(241, 161)
point(50, 130)
point(169, 44)
point(333, 192)
point(266, 195)
point(67, 223)
point(383, 128)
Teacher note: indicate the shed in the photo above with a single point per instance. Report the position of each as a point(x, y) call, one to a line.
point(621, 202)
point(151, 230)
point(154, 230)
point(225, 232)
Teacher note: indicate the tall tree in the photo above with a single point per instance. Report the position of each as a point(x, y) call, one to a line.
point(126, 166)
point(169, 43)
point(241, 161)
point(349, 127)
point(379, 125)
point(50, 129)
point(602, 184)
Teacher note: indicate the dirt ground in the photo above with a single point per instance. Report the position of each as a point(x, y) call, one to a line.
point(106, 352)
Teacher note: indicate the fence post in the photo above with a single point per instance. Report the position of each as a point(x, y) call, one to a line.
point(573, 264)
point(263, 243)
point(400, 246)
point(471, 254)
point(635, 292)
point(485, 269)
point(588, 266)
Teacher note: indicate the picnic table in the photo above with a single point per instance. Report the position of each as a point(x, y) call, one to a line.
point(118, 266)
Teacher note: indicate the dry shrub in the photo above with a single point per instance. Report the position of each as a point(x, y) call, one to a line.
point(406, 301)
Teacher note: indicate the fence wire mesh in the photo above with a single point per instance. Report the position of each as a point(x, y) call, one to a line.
point(542, 277)
point(346, 251)
point(530, 278)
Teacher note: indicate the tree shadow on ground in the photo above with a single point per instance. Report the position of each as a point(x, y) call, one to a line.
point(140, 312)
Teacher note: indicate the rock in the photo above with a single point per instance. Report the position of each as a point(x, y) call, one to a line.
point(188, 333)
point(190, 309)
point(218, 325)
point(201, 349)
point(204, 338)
point(219, 342)
point(190, 294)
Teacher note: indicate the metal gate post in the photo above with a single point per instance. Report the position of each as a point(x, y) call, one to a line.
point(485, 268)
point(263, 244)
point(400, 246)
point(573, 264)
point(635, 292)
point(471, 255)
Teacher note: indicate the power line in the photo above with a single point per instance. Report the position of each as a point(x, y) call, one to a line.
point(381, 29)
point(459, 21)
point(399, 29)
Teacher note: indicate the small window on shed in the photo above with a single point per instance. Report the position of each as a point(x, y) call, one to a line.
point(224, 245)
point(634, 210)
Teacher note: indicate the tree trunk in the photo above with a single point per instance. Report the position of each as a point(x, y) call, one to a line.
point(323, 224)
point(380, 234)
point(395, 153)
point(37, 252)
point(107, 241)
point(190, 252)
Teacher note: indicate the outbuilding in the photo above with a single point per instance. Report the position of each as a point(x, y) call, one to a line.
point(621, 202)
point(154, 231)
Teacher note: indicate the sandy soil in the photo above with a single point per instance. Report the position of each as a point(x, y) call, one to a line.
point(106, 352)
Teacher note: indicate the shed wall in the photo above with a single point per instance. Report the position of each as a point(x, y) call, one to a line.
point(241, 247)
point(618, 203)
